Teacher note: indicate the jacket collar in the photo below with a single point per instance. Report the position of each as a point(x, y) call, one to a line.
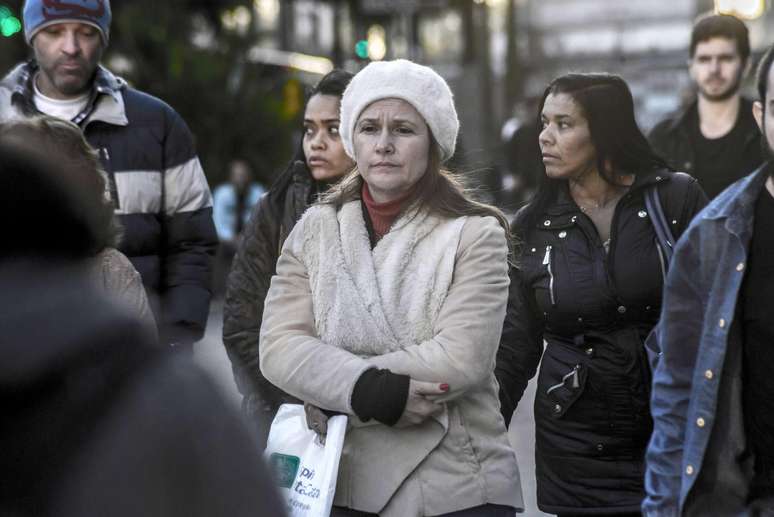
point(737, 203)
point(685, 117)
point(106, 102)
point(566, 206)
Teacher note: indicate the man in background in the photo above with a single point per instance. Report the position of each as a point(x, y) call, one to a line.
point(715, 139)
point(156, 182)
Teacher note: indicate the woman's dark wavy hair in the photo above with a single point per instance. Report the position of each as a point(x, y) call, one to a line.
point(333, 83)
point(606, 102)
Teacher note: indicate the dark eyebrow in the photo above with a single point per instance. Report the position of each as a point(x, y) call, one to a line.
point(324, 121)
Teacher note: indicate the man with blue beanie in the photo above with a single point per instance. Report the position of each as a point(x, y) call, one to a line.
point(157, 183)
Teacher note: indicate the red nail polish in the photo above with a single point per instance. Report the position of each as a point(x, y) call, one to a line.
point(444, 387)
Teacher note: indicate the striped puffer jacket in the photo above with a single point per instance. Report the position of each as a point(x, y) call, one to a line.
point(158, 186)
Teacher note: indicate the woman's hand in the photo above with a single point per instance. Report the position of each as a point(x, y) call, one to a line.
point(317, 421)
point(420, 404)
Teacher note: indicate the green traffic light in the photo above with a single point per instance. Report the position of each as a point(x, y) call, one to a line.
point(9, 26)
point(361, 49)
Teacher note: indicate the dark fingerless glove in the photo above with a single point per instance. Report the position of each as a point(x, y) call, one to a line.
point(381, 395)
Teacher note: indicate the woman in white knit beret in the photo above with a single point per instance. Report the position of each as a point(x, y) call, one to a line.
point(388, 304)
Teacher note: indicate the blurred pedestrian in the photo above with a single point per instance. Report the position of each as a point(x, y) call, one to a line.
point(96, 419)
point(588, 282)
point(387, 306)
point(62, 142)
point(522, 157)
point(712, 450)
point(715, 138)
point(232, 203)
point(156, 181)
point(320, 160)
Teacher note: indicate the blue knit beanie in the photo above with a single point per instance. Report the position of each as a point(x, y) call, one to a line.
point(39, 14)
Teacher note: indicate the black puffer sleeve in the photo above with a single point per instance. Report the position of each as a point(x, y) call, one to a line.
point(521, 345)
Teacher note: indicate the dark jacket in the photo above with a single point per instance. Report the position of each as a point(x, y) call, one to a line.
point(594, 310)
point(698, 462)
point(271, 221)
point(671, 139)
point(158, 186)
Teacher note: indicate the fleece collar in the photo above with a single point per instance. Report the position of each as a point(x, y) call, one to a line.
point(106, 103)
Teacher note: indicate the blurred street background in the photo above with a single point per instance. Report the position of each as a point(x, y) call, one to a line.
point(236, 70)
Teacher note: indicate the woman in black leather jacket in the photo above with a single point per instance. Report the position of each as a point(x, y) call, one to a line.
point(588, 281)
point(319, 161)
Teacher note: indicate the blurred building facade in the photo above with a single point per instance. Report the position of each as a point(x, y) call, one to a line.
point(496, 53)
point(453, 36)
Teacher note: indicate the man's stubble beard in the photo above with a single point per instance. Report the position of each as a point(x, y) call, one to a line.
point(730, 92)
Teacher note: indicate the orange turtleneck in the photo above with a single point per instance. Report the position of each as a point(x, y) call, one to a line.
point(382, 215)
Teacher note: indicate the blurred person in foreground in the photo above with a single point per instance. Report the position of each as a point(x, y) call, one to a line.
point(96, 419)
point(712, 450)
point(232, 203)
point(64, 144)
point(715, 138)
point(588, 282)
point(387, 306)
point(319, 161)
point(157, 184)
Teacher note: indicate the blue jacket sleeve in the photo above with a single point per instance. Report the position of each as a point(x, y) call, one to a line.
point(678, 336)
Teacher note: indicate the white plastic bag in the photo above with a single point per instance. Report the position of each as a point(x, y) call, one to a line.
point(304, 470)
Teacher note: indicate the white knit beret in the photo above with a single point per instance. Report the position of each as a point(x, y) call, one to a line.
point(418, 85)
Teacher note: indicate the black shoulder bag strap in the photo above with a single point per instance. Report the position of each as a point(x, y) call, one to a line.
point(660, 224)
point(666, 242)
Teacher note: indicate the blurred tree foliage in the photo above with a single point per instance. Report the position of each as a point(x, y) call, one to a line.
point(180, 51)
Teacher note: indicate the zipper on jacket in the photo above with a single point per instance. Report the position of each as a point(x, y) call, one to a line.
point(112, 187)
point(575, 380)
point(661, 260)
point(547, 263)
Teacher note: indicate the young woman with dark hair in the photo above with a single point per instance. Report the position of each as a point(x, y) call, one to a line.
point(588, 281)
point(318, 162)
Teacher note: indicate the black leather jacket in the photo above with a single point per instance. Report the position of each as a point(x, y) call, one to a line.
point(594, 310)
point(271, 221)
